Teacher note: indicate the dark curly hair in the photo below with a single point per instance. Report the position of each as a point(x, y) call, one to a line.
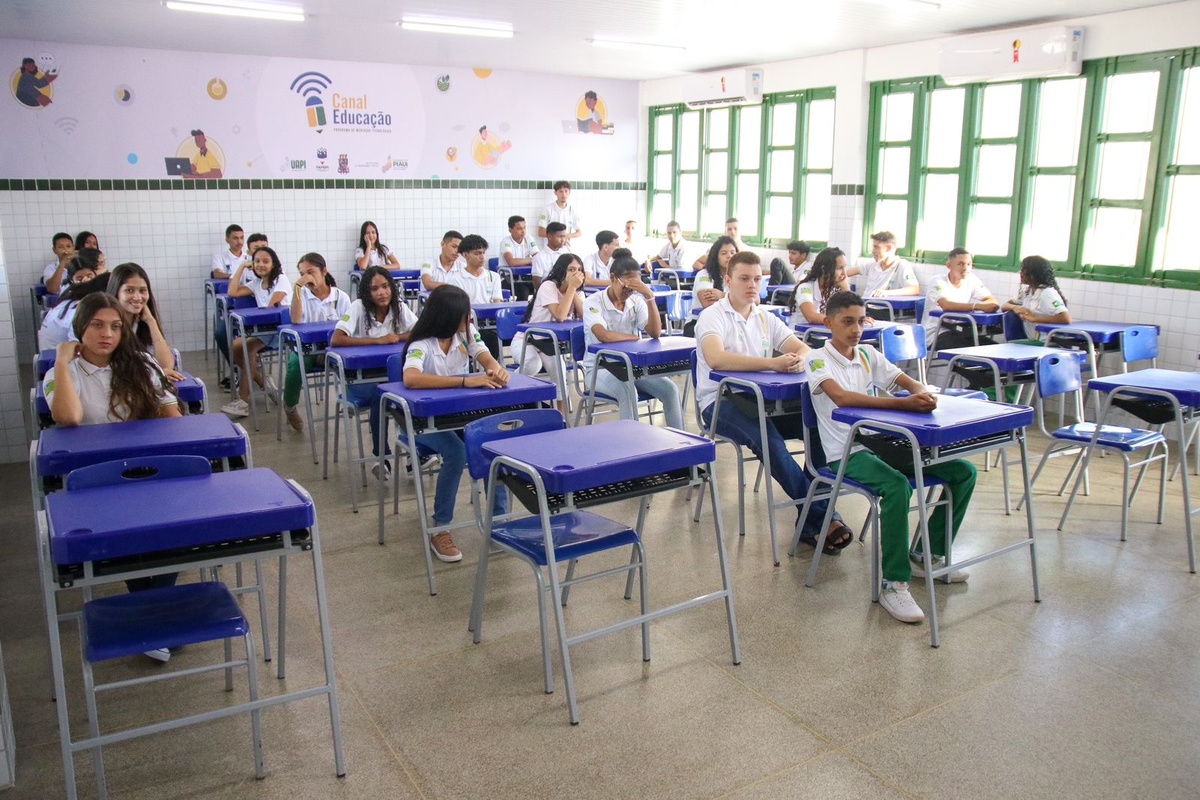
point(824, 272)
point(364, 294)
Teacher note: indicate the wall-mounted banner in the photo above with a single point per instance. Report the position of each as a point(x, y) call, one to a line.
point(80, 111)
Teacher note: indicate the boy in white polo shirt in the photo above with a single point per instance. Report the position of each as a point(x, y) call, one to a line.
point(559, 211)
point(556, 245)
point(885, 274)
point(845, 373)
point(436, 270)
point(671, 256)
point(480, 283)
point(596, 265)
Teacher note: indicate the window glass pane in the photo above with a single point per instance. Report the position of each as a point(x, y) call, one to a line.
point(714, 217)
point(1059, 122)
point(664, 132)
point(1048, 231)
point(815, 222)
point(662, 171)
point(778, 223)
point(718, 128)
point(1129, 102)
point(987, 230)
point(661, 211)
point(1113, 238)
point(891, 215)
point(689, 148)
point(945, 127)
point(1180, 251)
point(717, 179)
point(783, 125)
point(783, 166)
point(1001, 111)
point(749, 133)
point(997, 162)
point(897, 117)
point(689, 202)
point(1187, 150)
point(893, 170)
point(747, 204)
point(1123, 170)
point(820, 134)
point(936, 230)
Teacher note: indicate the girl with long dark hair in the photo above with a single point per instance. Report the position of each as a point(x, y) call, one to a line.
point(269, 287)
point(826, 276)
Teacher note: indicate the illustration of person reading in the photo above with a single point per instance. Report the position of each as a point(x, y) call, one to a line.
point(593, 122)
point(205, 165)
point(488, 149)
point(29, 84)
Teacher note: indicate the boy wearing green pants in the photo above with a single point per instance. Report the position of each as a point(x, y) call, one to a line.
point(845, 373)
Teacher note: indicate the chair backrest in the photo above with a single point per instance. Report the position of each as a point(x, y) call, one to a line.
point(578, 345)
point(814, 451)
point(505, 426)
point(695, 401)
point(679, 306)
point(1139, 343)
point(903, 343)
point(493, 264)
point(1014, 327)
point(507, 321)
point(395, 367)
point(234, 303)
point(131, 470)
point(1057, 373)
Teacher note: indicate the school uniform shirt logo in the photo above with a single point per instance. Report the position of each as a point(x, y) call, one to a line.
point(418, 353)
point(593, 309)
point(50, 387)
point(346, 318)
point(816, 364)
point(1056, 304)
point(478, 339)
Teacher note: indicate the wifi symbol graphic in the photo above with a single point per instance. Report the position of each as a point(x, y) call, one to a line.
point(67, 124)
point(310, 85)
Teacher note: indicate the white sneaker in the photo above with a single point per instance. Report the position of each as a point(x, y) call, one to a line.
point(386, 472)
point(161, 654)
point(238, 408)
point(271, 389)
point(899, 603)
point(957, 576)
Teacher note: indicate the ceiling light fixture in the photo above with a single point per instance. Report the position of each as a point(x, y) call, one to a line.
point(278, 12)
point(618, 44)
point(463, 27)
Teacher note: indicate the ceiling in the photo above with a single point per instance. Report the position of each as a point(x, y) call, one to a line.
point(549, 35)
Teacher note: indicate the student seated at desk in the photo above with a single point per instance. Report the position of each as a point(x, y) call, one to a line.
point(556, 247)
point(105, 376)
point(371, 252)
point(130, 284)
point(671, 256)
point(64, 249)
point(737, 335)
point(558, 299)
point(709, 286)
point(58, 325)
point(843, 373)
point(797, 257)
point(517, 249)
point(826, 277)
point(960, 289)
point(596, 265)
point(885, 274)
point(315, 298)
point(269, 287)
point(616, 315)
point(377, 317)
point(480, 283)
point(438, 356)
point(437, 270)
point(1038, 299)
point(224, 262)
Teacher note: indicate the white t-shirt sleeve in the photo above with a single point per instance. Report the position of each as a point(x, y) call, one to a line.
point(350, 322)
point(907, 276)
point(407, 318)
point(884, 373)
point(1049, 303)
point(818, 370)
point(593, 313)
point(475, 345)
point(779, 332)
point(414, 357)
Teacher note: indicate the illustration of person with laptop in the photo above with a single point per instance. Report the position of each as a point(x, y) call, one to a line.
point(201, 163)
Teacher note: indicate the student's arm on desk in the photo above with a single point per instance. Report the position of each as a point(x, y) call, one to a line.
point(719, 358)
point(492, 369)
point(809, 310)
point(419, 379)
point(342, 339)
point(513, 261)
point(988, 304)
point(919, 400)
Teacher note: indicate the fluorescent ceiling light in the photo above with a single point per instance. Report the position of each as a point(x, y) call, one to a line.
point(618, 44)
point(237, 8)
point(464, 27)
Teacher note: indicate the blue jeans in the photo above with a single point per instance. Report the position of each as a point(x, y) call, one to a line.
point(743, 429)
point(664, 389)
point(453, 450)
point(219, 338)
point(366, 392)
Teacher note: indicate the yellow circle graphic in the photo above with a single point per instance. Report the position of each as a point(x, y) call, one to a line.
point(482, 72)
point(217, 89)
point(188, 149)
point(487, 150)
point(28, 97)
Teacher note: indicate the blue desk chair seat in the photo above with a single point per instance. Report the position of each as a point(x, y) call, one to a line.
point(542, 541)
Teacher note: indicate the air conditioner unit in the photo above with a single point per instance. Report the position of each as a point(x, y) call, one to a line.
point(733, 87)
point(1013, 55)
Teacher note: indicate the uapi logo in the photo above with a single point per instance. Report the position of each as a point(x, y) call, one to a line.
point(310, 85)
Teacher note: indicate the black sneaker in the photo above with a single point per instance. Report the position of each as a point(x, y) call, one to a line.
point(225, 384)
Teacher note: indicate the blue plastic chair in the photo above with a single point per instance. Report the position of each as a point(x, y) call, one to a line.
point(507, 321)
point(543, 540)
point(1056, 375)
point(720, 440)
point(1139, 343)
point(588, 400)
point(906, 343)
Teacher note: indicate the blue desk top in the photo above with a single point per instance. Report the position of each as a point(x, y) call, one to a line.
point(189, 389)
point(61, 449)
point(980, 317)
point(904, 303)
point(525, 270)
point(650, 352)
point(309, 332)
point(217, 285)
point(564, 327)
point(396, 273)
point(1099, 332)
point(521, 390)
point(954, 420)
point(1185, 386)
point(263, 317)
point(1010, 357)
point(133, 518)
point(773, 385)
point(574, 459)
point(366, 356)
point(870, 332)
point(490, 310)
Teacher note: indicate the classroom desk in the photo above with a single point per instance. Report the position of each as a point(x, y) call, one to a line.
point(245, 323)
point(94, 536)
point(958, 428)
point(191, 391)
point(486, 313)
point(907, 308)
point(212, 288)
point(1005, 360)
point(1099, 338)
point(1182, 390)
point(976, 320)
point(684, 278)
point(640, 358)
point(304, 339)
point(421, 411)
point(779, 293)
point(821, 333)
point(776, 394)
point(576, 468)
point(551, 338)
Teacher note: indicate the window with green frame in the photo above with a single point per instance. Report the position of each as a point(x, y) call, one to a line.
point(769, 165)
point(1098, 173)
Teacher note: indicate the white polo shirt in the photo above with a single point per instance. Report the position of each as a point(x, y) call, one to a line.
point(703, 281)
point(868, 373)
point(1044, 302)
point(599, 309)
point(547, 295)
point(543, 262)
point(263, 294)
point(93, 385)
point(528, 248)
point(434, 269)
point(875, 278)
point(971, 290)
point(377, 259)
point(227, 261)
point(360, 324)
point(552, 213)
point(595, 268)
point(759, 334)
point(331, 309)
point(673, 256)
point(807, 292)
point(427, 356)
point(481, 288)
